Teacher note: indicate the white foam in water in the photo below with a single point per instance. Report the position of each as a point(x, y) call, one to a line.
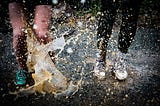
point(83, 1)
point(54, 1)
point(69, 50)
point(80, 24)
point(58, 43)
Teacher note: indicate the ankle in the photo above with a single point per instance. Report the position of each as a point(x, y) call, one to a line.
point(101, 54)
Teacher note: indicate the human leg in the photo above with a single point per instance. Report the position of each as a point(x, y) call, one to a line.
point(41, 23)
point(18, 20)
point(42, 19)
point(103, 34)
point(130, 9)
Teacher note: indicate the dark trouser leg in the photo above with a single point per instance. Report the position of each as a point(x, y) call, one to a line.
point(106, 22)
point(130, 9)
point(104, 31)
point(105, 25)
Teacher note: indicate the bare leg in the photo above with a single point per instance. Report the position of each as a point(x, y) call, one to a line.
point(18, 20)
point(42, 21)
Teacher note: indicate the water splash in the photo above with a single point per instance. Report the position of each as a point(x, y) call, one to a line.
point(45, 74)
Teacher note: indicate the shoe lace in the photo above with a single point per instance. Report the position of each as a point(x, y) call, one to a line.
point(120, 62)
point(21, 75)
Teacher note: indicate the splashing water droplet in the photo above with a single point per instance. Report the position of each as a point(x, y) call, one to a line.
point(55, 1)
point(69, 50)
point(83, 1)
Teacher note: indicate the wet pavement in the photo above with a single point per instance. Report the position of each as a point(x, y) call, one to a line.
point(76, 60)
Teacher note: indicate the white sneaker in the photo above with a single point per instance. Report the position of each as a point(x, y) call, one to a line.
point(99, 69)
point(120, 66)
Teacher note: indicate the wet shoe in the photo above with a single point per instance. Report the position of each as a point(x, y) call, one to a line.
point(99, 69)
point(120, 66)
point(21, 77)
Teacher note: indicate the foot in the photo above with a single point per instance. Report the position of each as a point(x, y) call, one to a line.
point(99, 69)
point(21, 77)
point(120, 66)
